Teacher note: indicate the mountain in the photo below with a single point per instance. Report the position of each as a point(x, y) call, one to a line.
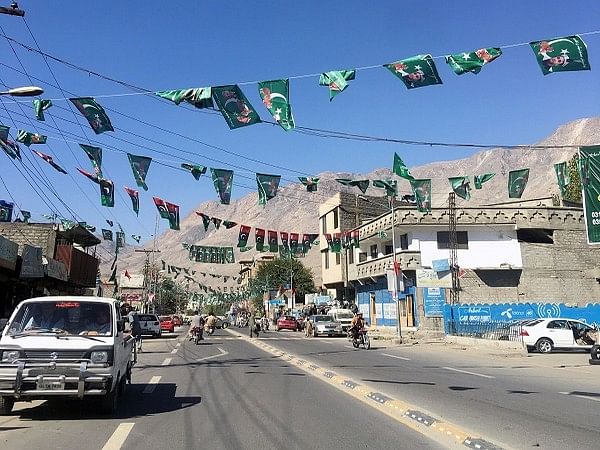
point(295, 210)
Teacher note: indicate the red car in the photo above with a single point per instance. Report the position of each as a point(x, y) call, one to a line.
point(167, 324)
point(287, 323)
point(177, 321)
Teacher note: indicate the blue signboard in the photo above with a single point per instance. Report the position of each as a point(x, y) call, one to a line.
point(434, 300)
point(440, 265)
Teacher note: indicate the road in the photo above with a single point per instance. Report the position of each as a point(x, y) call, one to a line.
point(224, 394)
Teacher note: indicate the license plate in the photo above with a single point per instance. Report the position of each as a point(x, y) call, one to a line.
point(50, 384)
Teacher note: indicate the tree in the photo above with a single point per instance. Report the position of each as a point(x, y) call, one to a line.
point(276, 273)
point(170, 294)
point(573, 190)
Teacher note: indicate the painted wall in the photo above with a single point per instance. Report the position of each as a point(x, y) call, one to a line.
point(386, 311)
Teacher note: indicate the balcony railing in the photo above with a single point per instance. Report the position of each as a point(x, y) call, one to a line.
point(82, 268)
point(408, 259)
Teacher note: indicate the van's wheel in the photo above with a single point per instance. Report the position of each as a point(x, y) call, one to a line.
point(595, 352)
point(544, 345)
point(109, 403)
point(6, 405)
point(225, 325)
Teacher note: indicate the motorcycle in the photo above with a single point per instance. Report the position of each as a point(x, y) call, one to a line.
point(362, 338)
point(209, 330)
point(196, 335)
point(264, 324)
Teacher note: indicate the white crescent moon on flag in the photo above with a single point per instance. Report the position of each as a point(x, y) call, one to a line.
point(278, 95)
point(561, 40)
point(234, 100)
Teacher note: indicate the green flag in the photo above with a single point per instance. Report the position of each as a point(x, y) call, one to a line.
point(28, 138)
point(49, 160)
point(259, 235)
point(173, 211)
point(198, 97)
point(415, 72)
point(107, 193)
point(310, 183)
point(273, 241)
point(139, 166)
point(135, 199)
point(161, 206)
point(294, 238)
point(9, 147)
point(561, 55)
point(461, 187)
point(229, 224)
point(196, 170)
point(390, 186)
point(40, 106)
point(229, 256)
point(6, 211)
point(363, 185)
point(246, 249)
point(284, 252)
point(589, 158)
point(472, 61)
point(337, 243)
point(107, 235)
point(267, 187)
point(136, 238)
point(400, 168)
point(95, 156)
point(26, 215)
point(94, 113)
point(243, 236)
point(517, 180)
point(275, 95)
point(337, 80)
point(223, 181)
point(480, 179)
point(355, 238)
point(422, 192)
point(205, 220)
point(235, 107)
point(562, 177)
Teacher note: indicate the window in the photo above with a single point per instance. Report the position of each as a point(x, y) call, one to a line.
point(338, 259)
point(404, 241)
point(374, 251)
point(558, 324)
point(443, 239)
point(535, 236)
point(362, 257)
point(326, 256)
point(389, 249)
point(324, 223)
point(335, 219)
point(351, 256)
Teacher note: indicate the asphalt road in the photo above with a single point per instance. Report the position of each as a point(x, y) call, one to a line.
point(223, 394)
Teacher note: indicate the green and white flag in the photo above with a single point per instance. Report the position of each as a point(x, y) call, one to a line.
point(336, 80)
point(94, 113)
point(136, 238)
point(415, 72)
point(461, 187)
point(310, 183)
point(229, 256)
point(27, 138)
point(223, 181)
point(26, 215)
point(107, 193)
point(40, 106)
point(561, 54)
point(562, 177)
point(478, 180)
point(95, 156)
point(267, 187)
point(235, 107)
point(517, 180)
point(400, 168)
point(275, 95)
point(246, 249)
point(107, 235)
point(198, 97)
point(382, 234)
point(196, 170)
point(589, 158)
point(161, 206)
point(472, 61)
point(390, 186)
point(363, 185)
point(139, 166)
point(422, 192)
point(336, 245)
point(173, 211)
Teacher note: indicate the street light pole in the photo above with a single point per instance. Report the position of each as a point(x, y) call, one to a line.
point(25, 91)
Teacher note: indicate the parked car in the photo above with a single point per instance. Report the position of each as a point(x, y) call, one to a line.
point(150, 324)
point(167, 324)
point(324, 324)
point(177, 320)
point(343, 316)
point(544, 335)
point(287, 323)
point(222, 322)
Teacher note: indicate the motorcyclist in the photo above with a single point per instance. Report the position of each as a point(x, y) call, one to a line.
point(357, 324)
point(197, 325)
point(211, 321)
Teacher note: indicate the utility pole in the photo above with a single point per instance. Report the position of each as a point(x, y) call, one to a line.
point(395, 267)
point(149, 282)
point(453, 246)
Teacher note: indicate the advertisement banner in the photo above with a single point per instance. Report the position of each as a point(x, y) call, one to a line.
point(434, 300)
point(589, 168)
point(428, 278)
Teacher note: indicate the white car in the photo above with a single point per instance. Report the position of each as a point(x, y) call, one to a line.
point(325, 325)
point(544, 335)
point(150, 324)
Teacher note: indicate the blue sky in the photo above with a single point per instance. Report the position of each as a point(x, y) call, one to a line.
point(162, 45)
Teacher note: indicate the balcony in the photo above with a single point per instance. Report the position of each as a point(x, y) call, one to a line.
point(408, 259)
point(81, 267)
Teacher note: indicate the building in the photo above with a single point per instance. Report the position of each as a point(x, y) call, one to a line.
point(509, 253)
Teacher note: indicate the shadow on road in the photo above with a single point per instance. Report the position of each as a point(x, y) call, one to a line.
point(462, 388)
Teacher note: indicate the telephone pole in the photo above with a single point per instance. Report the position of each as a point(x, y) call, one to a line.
point(453, 246)
point(150, 275)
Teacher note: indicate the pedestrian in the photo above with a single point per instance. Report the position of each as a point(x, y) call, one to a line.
point(308, 327)
point(252, 325)
point(136, 331)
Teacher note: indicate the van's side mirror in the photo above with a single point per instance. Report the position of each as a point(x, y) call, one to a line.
point(120, 325)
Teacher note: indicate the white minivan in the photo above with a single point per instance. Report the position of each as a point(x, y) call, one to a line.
point(343, 316)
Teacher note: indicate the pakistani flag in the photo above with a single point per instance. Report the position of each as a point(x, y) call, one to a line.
point(417, 71)
point(198, 97)
point(461, 187)
point(90, 176)
point(26, 215)
point(107, 193)
point(294, 237)
point(229, 224)
point(472, 61)
point(259, 235)
point(400, 168)
point(422, 192)
point(9, 147)
point(310, 183)
point(390, 186)
point(561, 55)
point(139, 166)
point(196, 170)
point(267, 187)
point(107, 235)
point(49, 160)
point(517, 180)
point(161, 206)
point(205, 220)
point(94, 113)
point(68, 224)
point(243, 236)
point(235, 107)
point(136, 238)
point(337, 80)
point(40, 106)
point(363, 185)
point(135, 199)
point(173, 211)
point(275, 95)
point(273, 241)
point(6, 211)
point(223, 181)
point(95, 156)
point(336, 245)
point(355, 238)
point(27, 138)
point(562, 177)
point(480, 179)
point(216, 222)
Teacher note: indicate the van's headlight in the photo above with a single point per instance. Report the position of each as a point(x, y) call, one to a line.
point(99, 357)
point(10, 356)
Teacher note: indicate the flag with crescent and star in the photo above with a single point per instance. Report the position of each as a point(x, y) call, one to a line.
point(139, 166)
point(415, 72)
point(94, 113)
point(267, 187)
point(461, 187)
point(310, 183)
point(10, 148)
point(136, 238)
point(275, 95)
point(517, 180)
point(90, 176)
point(259, 235)
point(49, 160)
point(294, 237)
point(223, 181)
point(95, 156)
point(306, 243)
point(337, 81)
point(173, 211)
point(337, 243)
point(198, 97)
point(329, 239)
point(243, 236)
point(400, 168)
point(273, 241)
point(561, 54)
point(472, 61)
point(478, 180)
point(562, 177)
point(107, 193)
point(285, 239)
point(161, 207)
point(107, 235)
point(28, 138)
point(235, 107)
point(422, 192)
point(196, 170)
point(390, 186)
point(40, 106)
point(135, 199)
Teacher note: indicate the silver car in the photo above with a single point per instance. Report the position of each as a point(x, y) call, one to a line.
point(325, 325)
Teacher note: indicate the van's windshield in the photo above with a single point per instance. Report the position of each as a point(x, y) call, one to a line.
point(62, 317)
point(344, 315)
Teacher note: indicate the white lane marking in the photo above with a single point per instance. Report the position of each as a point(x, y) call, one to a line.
point(349, 346)
point(173, 351)
point(325, 341)
point(587, 397)
point(178, 344)
point(166, 362)
point(469, 373)
point(116, 441)
point(149, 389)
point(222, 353)
point(404, 358)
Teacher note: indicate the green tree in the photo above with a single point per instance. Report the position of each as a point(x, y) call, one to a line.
point(170, 294)
point(276, 273)
point(573, 190)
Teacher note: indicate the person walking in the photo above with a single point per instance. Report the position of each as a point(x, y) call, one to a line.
point(136, 331)
point(252, 325)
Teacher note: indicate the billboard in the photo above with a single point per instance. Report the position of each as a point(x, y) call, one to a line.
point(589, 170)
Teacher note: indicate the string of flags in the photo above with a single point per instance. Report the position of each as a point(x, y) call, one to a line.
point(290, 242)
point(345, 239)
